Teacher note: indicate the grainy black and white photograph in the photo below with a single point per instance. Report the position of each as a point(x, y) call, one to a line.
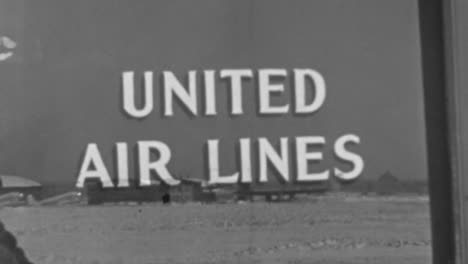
point(222, 131)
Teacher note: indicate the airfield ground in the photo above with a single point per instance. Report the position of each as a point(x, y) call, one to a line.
point(322, 229)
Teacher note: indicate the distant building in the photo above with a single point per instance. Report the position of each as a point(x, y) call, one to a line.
point(9, 184)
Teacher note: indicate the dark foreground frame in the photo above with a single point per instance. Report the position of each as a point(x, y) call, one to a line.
point(443, 131)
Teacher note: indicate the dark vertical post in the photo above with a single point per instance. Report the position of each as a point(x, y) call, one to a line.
point(434, 62)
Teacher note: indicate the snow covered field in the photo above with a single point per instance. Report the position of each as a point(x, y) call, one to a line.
point(325, 229)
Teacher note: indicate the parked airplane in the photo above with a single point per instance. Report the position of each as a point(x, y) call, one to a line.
point(12, 199)
point(72, 197)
